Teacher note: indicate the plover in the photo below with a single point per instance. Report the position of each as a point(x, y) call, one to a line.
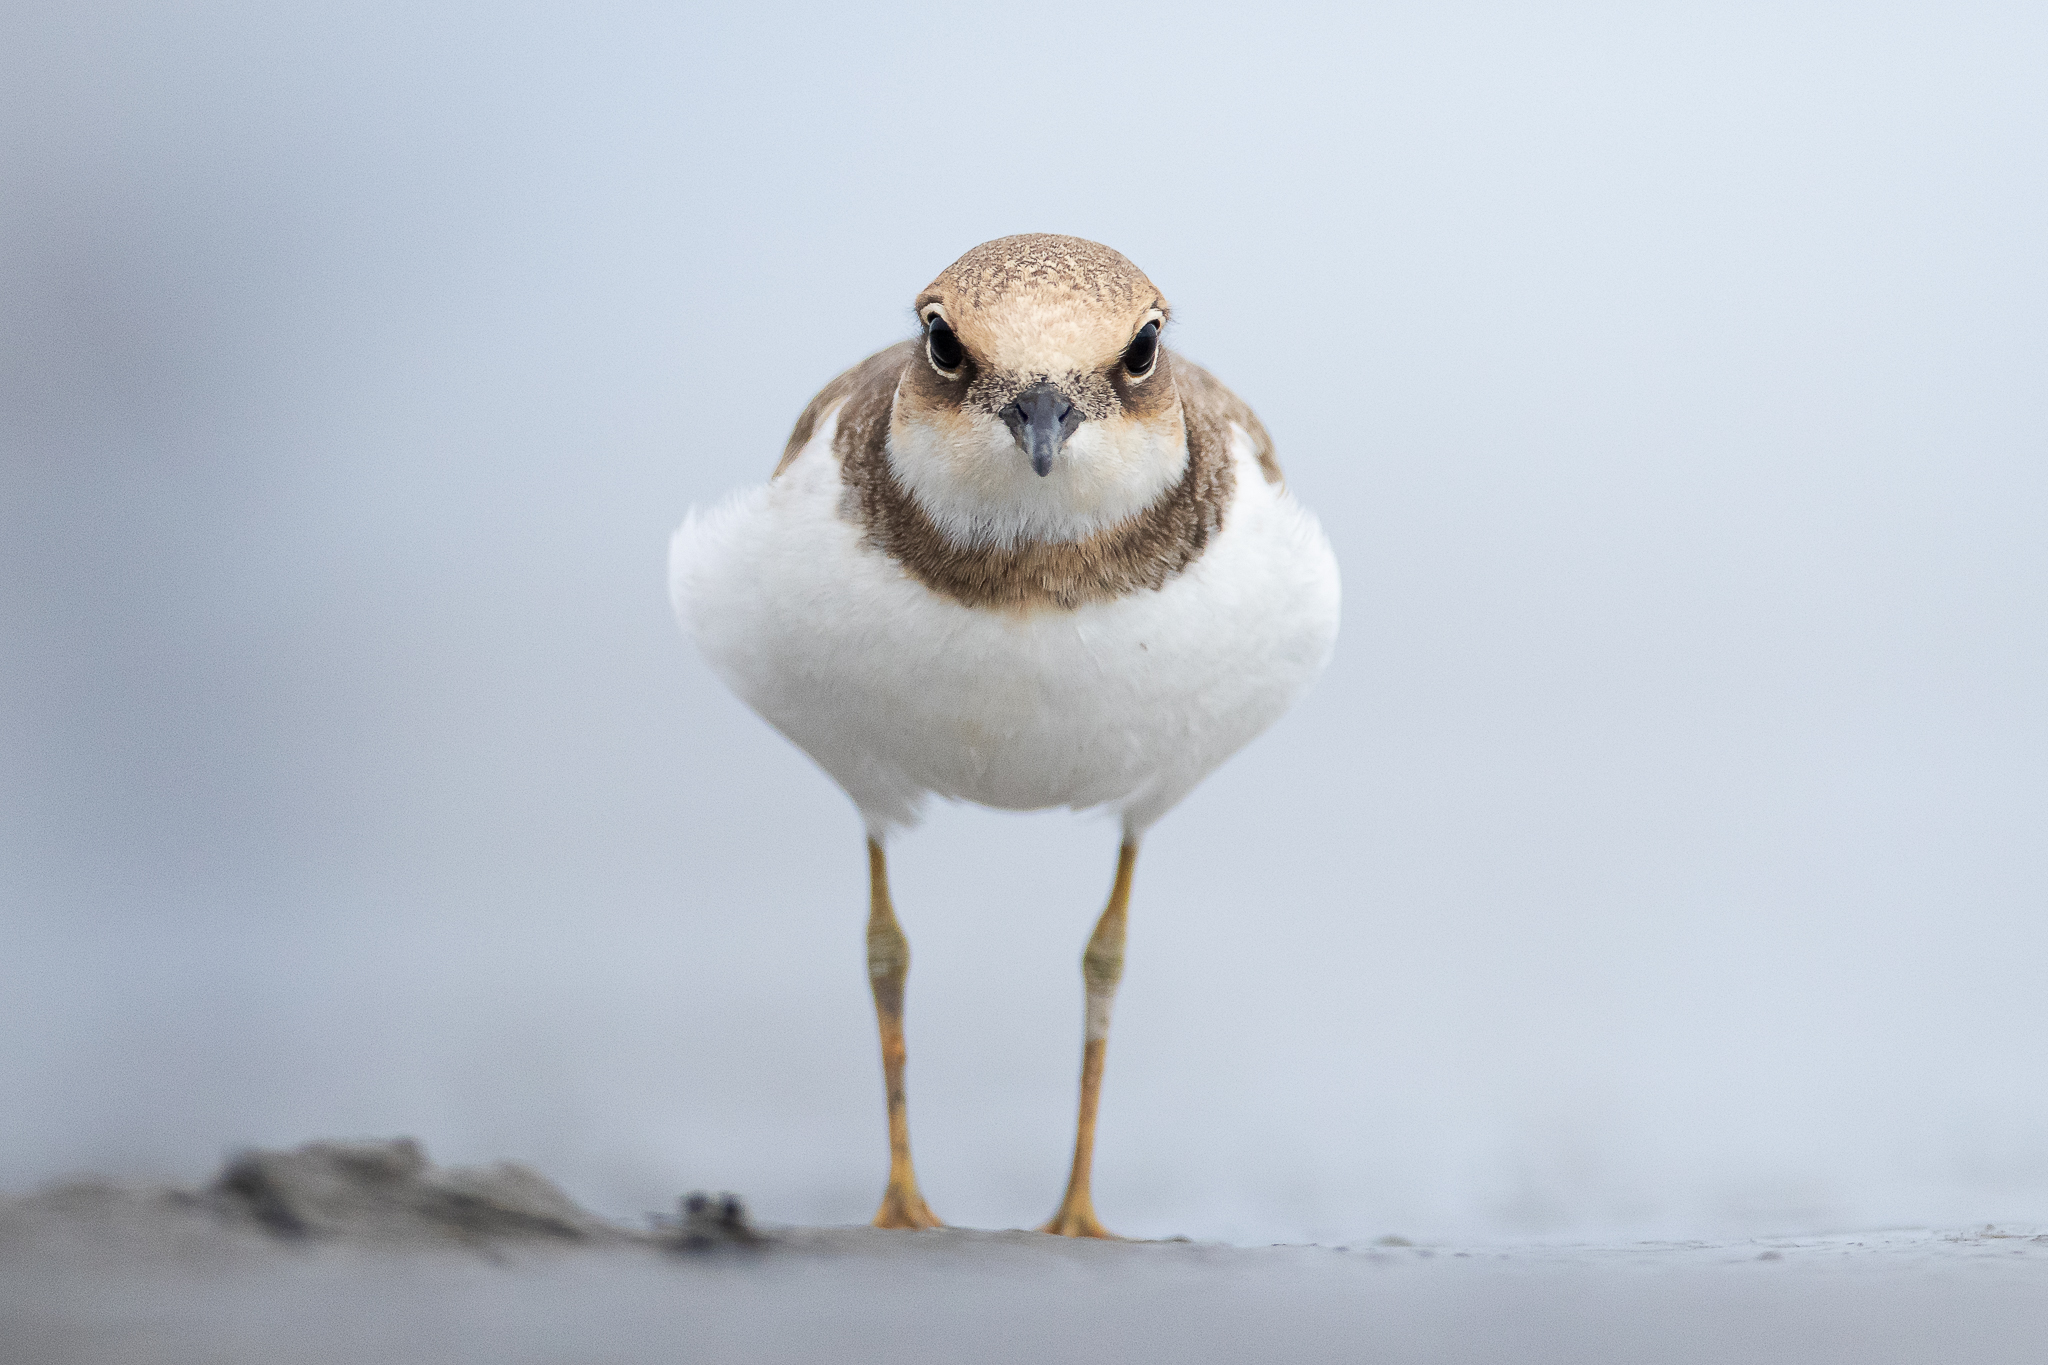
point(1028, 558)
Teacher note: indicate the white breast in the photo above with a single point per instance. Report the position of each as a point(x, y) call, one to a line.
point(898, 692)
point(976, 490)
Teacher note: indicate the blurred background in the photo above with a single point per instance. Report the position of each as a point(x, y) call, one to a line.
point(1663, 854)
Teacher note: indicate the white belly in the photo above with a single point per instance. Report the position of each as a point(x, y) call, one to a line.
point(898, 692)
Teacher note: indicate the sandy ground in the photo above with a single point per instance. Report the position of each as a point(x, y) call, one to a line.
point(367, 1252)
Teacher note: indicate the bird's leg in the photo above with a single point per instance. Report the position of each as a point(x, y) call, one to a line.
point(1101, 966)
point(888, 967)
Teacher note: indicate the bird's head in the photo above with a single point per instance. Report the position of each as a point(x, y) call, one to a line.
point(1043, 406)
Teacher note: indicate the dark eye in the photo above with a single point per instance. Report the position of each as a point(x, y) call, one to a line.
point(943, 347)
point(1143, 350)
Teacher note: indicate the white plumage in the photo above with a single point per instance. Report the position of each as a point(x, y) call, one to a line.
point(899, 692)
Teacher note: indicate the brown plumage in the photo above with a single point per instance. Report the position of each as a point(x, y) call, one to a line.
point(1141, 552)
point(1101, 275)
point(1027, 297)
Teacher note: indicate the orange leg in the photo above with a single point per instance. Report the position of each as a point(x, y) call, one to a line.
point(1102, 965)
point(888, 967)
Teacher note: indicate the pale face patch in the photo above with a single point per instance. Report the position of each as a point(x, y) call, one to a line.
point(1047, 333)
point(968, 474)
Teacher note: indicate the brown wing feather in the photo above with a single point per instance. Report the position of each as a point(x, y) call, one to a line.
point(1210, 408)
point(879, 371)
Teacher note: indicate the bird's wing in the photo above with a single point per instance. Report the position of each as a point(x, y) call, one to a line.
point(879, 371)
point(1210, 410)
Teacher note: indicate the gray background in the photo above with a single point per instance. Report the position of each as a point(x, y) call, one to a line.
point(1663, 853)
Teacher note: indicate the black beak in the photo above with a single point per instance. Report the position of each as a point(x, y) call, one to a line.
point(1042, 418)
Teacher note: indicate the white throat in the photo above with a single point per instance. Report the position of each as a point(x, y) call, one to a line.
point(976, 484)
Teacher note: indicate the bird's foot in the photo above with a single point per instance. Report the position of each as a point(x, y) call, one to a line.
point(904, 1207)
point(1079, 1220)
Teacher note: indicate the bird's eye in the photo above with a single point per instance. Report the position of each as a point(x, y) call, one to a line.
point(1143, 350)
point(942, 346)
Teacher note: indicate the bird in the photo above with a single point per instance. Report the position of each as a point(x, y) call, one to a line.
point(1030, 557)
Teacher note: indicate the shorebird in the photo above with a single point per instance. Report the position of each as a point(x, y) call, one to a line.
point(1028, 558)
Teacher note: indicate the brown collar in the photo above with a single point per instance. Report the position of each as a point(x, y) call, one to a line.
point(1143, 551)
